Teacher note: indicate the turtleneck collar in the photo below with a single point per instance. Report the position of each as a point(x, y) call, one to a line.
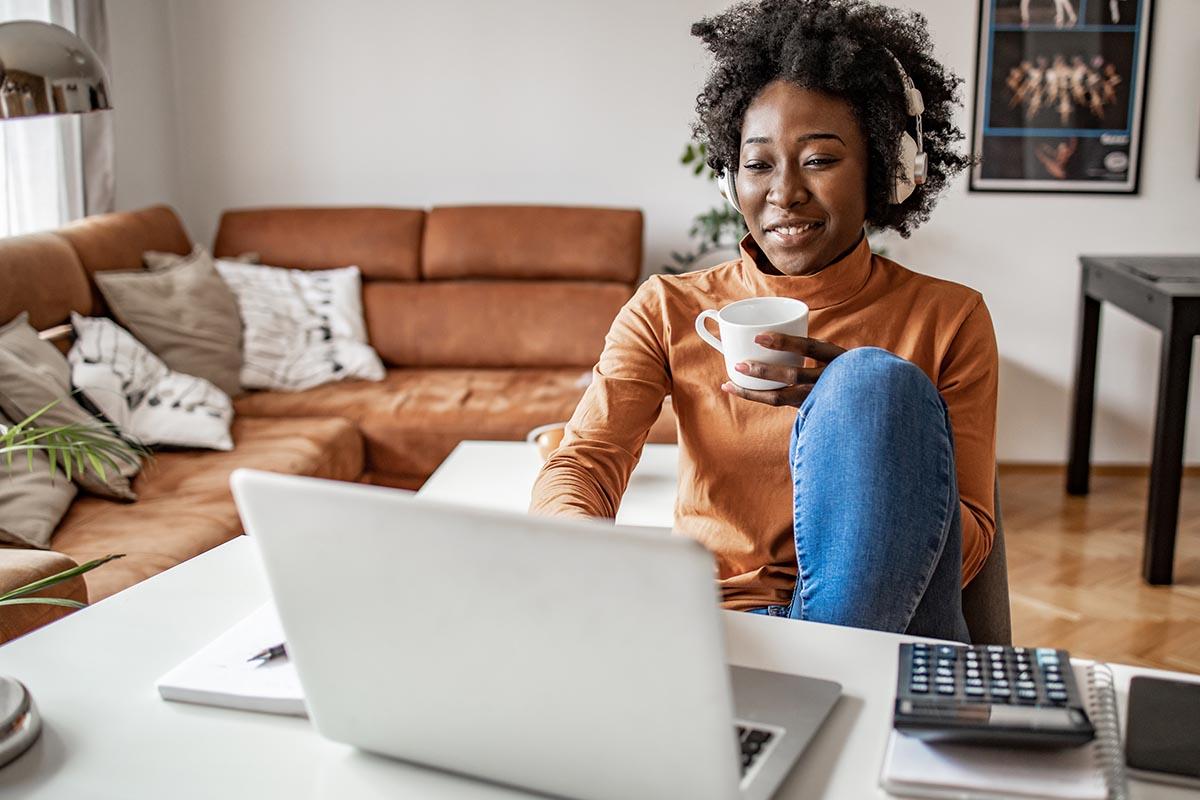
point(838, 282)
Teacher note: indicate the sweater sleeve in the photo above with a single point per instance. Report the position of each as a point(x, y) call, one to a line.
point(588, 474)
point(967, 382)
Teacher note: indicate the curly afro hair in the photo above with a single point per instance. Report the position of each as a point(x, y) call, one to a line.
point(840, 47)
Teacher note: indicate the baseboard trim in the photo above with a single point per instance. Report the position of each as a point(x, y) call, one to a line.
point(1097, 469)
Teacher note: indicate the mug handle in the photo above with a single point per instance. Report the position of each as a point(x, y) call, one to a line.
point(702, 329)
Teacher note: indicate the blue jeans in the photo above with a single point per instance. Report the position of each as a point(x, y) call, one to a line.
point(877, 516)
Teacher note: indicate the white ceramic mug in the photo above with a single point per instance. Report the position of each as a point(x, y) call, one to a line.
point(740, 322)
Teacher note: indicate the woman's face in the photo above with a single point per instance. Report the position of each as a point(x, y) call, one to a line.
point(802, 177)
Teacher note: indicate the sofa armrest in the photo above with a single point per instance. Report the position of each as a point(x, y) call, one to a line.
point(21, 567)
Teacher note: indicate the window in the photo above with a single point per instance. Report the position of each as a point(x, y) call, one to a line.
point(41, 175)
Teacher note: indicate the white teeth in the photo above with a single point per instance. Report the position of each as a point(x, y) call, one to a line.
point(795, 230)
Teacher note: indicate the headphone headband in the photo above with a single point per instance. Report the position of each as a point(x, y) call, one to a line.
point(914, 164)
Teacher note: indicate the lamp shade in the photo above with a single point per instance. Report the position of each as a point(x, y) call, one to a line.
point(46, 69)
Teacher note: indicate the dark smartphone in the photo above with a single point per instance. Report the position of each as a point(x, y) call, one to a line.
point(1162, 741)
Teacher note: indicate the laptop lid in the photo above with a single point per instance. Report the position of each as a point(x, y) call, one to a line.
point(568, 656)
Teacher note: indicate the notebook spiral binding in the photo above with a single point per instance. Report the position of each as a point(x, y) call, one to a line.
point(1102, 707)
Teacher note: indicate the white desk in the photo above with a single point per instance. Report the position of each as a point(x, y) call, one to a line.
point(500, 475)
point(108, 735)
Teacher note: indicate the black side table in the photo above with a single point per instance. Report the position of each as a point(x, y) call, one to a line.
point(1165, 292)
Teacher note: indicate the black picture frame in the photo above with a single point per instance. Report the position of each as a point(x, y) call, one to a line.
point(1060, 95)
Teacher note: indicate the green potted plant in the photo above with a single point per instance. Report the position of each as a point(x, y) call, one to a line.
point(719, 228)
point(71, 448)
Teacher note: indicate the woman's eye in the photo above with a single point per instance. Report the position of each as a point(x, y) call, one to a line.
point(819, 162)
point(754, 165)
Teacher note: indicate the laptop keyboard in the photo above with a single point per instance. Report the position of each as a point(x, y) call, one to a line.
point(753, 742)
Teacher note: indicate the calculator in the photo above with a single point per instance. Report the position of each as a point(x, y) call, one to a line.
point(989, 694)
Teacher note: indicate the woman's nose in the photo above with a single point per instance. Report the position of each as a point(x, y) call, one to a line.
point(787, 188)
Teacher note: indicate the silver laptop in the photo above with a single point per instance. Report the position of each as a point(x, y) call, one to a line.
point(569, 657)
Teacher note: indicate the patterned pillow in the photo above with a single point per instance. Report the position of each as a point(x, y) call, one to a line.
point(303, 328)
point(137, 391)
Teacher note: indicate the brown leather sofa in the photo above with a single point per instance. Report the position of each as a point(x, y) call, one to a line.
point(488, 319)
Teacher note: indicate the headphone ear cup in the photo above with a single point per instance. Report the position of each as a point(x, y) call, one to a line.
point(727, 185)
point(906, 171)
point(921, 169)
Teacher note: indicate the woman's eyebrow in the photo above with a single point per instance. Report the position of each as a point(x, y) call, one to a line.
point(808, 137)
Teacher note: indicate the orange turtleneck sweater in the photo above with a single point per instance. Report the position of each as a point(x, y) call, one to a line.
point(735, 491)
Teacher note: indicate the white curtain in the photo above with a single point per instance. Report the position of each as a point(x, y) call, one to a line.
point(96, 132)
point(41, 163)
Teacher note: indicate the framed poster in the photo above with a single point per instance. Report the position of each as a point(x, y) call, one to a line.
point(1059, 93)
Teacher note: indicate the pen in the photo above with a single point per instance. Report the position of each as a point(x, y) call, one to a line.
point(269, 654)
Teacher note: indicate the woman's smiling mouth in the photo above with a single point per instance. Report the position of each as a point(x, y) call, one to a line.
point(793, 233)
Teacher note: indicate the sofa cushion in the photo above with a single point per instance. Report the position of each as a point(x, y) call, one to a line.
point(117, 241)
point(533, 242)
point(182, 311)
point(382, 242)
point(303, 328)
point(34, 376)
point(22, 567)
point(491, 323)
point(32, 501)
point(41, 274)
point(415, 417)
point(143, 396)
point(186, 507)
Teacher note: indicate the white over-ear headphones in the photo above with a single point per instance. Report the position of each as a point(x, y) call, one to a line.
point(914, 163)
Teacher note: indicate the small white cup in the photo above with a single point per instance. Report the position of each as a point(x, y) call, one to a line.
point(740, 322)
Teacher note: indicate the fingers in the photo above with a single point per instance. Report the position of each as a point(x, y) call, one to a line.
point(784, 373)
point(801, 345)
point(787, 396)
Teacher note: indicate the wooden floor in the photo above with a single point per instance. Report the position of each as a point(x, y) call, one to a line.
point(1075, 569)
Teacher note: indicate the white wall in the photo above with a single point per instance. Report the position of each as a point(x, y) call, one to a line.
point(1021, 252)
point(584, 102)
point(143, 104)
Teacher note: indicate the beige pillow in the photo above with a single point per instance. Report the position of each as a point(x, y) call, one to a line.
point(31, 501)
point(183, 312)
point(33, 373)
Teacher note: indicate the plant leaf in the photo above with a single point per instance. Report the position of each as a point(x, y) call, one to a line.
point(76, 445)
point(28, 421)
point(45, 601)
point(96, 465)
point(59, 577)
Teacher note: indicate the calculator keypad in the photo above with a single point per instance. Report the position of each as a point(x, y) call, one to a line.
point(1019, 675)
point(985, 693)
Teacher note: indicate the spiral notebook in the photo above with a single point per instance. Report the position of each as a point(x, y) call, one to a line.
point(1096, 771)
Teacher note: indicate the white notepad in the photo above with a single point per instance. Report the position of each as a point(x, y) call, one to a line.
point(912, 768)
point(219, 674)
point(915, 768)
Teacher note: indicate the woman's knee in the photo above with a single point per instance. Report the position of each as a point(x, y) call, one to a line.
point(866, 372)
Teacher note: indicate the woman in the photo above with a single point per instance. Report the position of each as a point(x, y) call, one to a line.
point(861, 493)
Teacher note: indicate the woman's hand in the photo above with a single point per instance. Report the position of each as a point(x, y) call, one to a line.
point(799, 380)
